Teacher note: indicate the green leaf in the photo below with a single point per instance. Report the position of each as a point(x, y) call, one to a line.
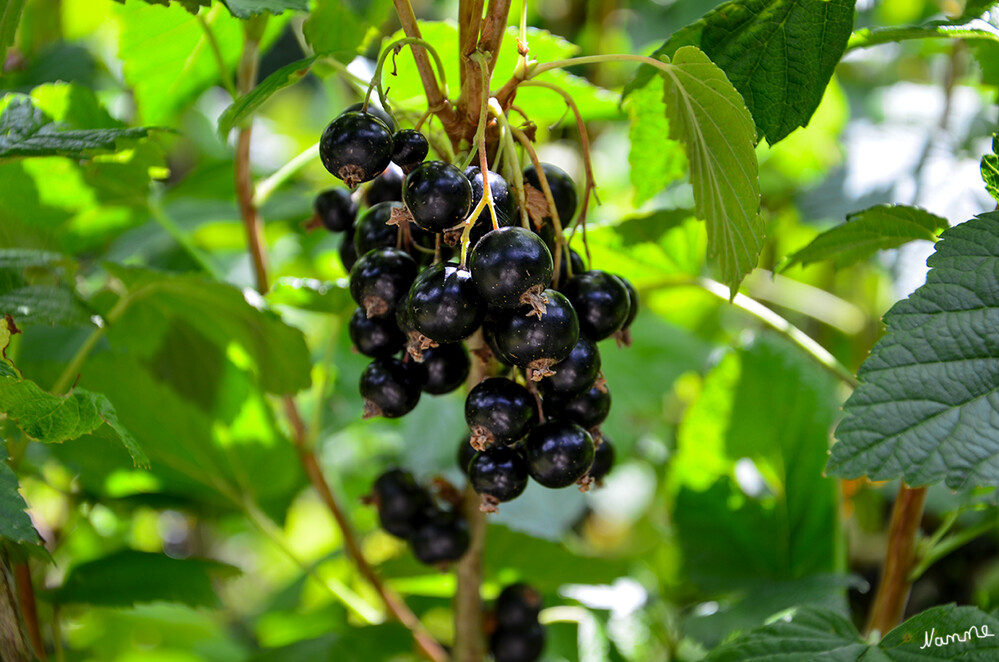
point(337, 29)
point(928, 405)
point(310, 294)
point(709, 117)
point(977, 8)
point(26, 131)
point(655, 160)
point(826, 636)
point(193, 6)
point(975, 30)
point(129, 577)
point(10, 16)
point(990, 169)
point(53, 419)
point(15, 525)
point(779, 54)
point(223, 314)
point(378, 642)
point(248, 104)
point(43, 304)
point(248, 8)
point(866, 232)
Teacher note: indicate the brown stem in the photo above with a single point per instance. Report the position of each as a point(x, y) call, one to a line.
point(493, 29)
point(13, 643)
point(468, 642)
point(26, 598)
point(893, 589)
point(561, 253)
point(469, 26)
point(246, 77)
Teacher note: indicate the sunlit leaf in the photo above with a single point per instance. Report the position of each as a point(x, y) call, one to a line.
point(990, 169)
point(655, 160)
point(248, 104)
point(248, 8)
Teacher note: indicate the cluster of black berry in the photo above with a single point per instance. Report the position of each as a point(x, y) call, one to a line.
point(409, 511)
point(518, 636)
point(540, 415)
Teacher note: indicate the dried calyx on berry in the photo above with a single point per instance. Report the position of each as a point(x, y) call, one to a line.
point(356, 147)
point(499, 411)
point(438, 196)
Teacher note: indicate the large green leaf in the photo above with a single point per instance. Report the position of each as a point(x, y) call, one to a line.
point(779, 54)
point(378, 642)
point(826, 636)
point(248, 8)
point(655, 160)
point(339, 28)
point(129, 577)
point(928, 405)
point(26, 131)
point(15, 525)
point(974, 30)
point(32, 290)
point(707, 114)
point(990, 169)
point(192, 6)
point(867, 232)
point(248, 104)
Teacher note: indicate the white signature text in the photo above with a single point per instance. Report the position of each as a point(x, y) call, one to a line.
point(932, 639)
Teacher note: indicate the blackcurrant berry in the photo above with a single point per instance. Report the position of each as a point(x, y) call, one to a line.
point(437, 195)
point(499, 474)
point(443, 539)
point(409, 148)
point(563, 266)
point(537, 342)
point(589, 408)
point(390, 388)
point(603, 460)
point(510, 266)
point(559, 453)
point(380, 279)
point(402, 504)
point(562, 187)
point(601, 302)
point(375, 336)
point(575, 373)
point(335, 209)
point(444, 368)
point(378, 112)
point(499, 411)
point(518, 645)
point(623, 335)
point(503, 202)
point(356, 147)
point(444, 304)
point(348, 256)
point(386, 187)
point(465, 455)
point(518, 606)
point(372, 229)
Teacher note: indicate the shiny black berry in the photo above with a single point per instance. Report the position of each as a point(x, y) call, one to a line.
point(443, 539)
point(375, 336)
point(437, 195)
point(518, 645)
point(624, 336)
point(335, 209)
point(562, 186)
point(518, 606)
point(537, 342)
point(503, 202)
point(559, 453)
point(589, 408)
point(499, 411)
point(381, 114)
point(510, 266)
point(390, 388)
point(348, 255)
point(409, 148)
point(444, 368)
point(603, 460)
point(601, 302)
point(372, 229)
point(403, 505)
point(499, 474)
point(575, 373)
point(356, 147)
point(444, 304)
point(563, 266)
point(381, 279)
point(386, 187)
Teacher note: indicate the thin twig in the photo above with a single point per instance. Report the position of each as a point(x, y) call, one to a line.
point(561, 253)
point(224, 74)
point(29, 613)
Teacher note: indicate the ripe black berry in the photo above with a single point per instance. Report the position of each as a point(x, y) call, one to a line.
point(559, 453)
point(589, 408)
point(518, 645)
point(375, 336)
point(444, 368)
point(356, 147)
point(380, 279)
point(444, 304)
point(335, 209)
point(575, 373)
point(437, 195)
point(518, 606)
point(348, 256)
point(510, 266)
point(624, 336)
point(381, 114)
point(372, 230)
point(503, 202)
point(601, 302)
point(441, 540)
point(603, 460)
point(563, 266)
point(402, 504)
point(562, 186)
point(499, 474)
point(409, 148)
point(386, 187)
point(537, 342)
point(499, 411)
point(390, 388)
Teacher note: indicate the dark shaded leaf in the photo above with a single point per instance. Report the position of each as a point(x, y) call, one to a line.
point(378, 642)
point(15, 525)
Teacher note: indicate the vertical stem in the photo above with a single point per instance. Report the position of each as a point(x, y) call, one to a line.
point(469, 26)
point(469, 645)
point(26, 598)
point(493, 29)
point(893, 589)
point(13, 644)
